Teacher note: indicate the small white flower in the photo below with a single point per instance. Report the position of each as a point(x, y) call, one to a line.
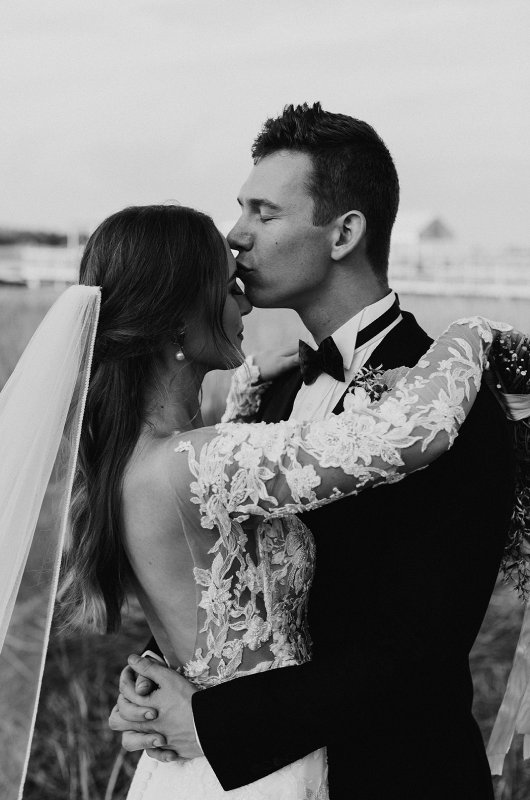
point(197, 666)
point(392, 411)
point(302, 481)
point(232, 649)
point(248, 457)
point(356, 400)
point(447, 409)
point(257, 633)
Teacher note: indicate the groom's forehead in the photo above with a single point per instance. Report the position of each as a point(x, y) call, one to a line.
point(275, 176)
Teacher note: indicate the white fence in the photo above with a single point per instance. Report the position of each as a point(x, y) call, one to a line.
point(35, 266)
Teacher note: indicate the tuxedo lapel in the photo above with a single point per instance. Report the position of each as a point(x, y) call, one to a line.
point(277, 402)
point(404, 345)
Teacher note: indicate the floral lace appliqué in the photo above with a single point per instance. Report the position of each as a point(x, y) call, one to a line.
point(245, 393)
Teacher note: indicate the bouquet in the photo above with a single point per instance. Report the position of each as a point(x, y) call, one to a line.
point(510, 354)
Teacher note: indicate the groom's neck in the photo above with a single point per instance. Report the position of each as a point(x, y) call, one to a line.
point(339, 302)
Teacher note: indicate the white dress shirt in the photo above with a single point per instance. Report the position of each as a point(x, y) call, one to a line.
point(317, 400)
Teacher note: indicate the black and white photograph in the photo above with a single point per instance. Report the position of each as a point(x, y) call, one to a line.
point(265, 400)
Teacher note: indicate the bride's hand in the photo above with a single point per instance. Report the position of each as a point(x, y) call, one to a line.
point(161, 723)
point(273, 363)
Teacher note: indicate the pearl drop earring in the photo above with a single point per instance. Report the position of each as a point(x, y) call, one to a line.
point(177, 339)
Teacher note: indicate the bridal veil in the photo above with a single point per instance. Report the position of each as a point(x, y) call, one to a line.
point(41, 412)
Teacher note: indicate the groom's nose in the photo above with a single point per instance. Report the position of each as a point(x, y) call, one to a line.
point(238, 238)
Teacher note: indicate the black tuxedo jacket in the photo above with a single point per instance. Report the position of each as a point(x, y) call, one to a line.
point(403, 578)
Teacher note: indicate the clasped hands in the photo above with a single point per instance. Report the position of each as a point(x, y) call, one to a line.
point(153, 711)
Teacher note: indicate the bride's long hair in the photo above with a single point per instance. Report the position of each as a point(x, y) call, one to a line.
point(152, 263)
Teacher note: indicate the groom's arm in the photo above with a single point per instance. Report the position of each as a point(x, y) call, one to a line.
point(258, 724)
point(254, 725)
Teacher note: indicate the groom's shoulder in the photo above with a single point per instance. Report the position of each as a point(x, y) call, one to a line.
point(486, 425)
point(409, 332)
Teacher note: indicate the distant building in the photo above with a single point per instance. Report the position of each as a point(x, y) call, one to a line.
point(426, 255)
point(411, 227)
point(435, 230)
point(422, 244)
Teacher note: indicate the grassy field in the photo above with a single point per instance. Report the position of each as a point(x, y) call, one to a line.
point(74, 755)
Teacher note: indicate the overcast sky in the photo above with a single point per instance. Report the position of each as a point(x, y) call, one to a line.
point(106, 104)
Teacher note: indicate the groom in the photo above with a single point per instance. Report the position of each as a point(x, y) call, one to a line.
point(404, 574)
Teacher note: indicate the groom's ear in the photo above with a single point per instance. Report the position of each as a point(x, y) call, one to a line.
point(348, 231)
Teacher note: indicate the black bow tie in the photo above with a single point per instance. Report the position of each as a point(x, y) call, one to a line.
point(326, 359)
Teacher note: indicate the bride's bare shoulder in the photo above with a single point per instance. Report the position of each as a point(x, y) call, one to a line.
point(157, 469)
point(152, 503)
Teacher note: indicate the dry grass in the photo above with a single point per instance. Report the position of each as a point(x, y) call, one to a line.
point(491, 660)
point(74, 755)
point(20, 313)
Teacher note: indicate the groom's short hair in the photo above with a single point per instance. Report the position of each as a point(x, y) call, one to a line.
point(352, 169)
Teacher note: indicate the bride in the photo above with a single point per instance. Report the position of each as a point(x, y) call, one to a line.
point(201, 522)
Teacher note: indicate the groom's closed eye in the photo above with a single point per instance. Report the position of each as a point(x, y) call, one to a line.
point(268, 211)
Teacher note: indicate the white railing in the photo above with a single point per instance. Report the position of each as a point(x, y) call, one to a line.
point(35, 276)
point(35, 266)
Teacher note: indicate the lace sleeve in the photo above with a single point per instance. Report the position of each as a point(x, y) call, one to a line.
point(267, 470)
point(244, 396)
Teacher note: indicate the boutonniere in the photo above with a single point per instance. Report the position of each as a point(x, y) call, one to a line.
point(372, 381)
point(509, 354)
point(377, 381)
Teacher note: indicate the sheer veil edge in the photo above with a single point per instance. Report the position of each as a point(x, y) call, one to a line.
point(41, 414)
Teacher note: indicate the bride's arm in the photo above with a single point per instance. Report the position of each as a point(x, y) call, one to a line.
point(245, 393)
point(253, 379)
point(262, 469)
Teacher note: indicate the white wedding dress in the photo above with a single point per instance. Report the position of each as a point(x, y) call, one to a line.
point(252, 616)
point(240, 488)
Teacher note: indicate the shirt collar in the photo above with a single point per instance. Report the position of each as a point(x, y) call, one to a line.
point(346, 336)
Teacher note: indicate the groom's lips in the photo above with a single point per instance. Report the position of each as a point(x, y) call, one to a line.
point(242, 269)
point(244, 273)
